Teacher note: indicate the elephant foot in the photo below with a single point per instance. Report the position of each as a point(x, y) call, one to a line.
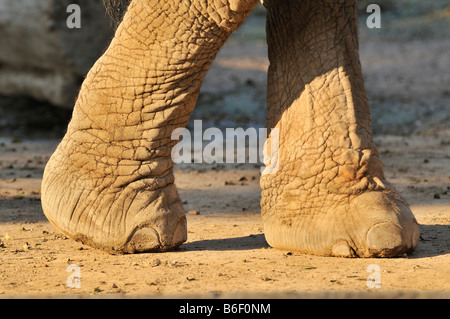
point(371, 224)
point(116, 214)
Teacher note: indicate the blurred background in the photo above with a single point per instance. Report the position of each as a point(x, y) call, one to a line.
point(406, 66)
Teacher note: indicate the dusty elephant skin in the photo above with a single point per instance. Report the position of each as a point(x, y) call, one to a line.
point(110, 183)
point(329, 196)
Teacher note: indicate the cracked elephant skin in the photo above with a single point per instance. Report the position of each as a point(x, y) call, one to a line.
point(110, 184)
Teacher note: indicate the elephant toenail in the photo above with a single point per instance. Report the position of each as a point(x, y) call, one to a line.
point(385, 240)
point(143, 240)
point(342, 249)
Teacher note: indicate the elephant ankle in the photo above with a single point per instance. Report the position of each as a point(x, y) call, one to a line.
point(315, 172)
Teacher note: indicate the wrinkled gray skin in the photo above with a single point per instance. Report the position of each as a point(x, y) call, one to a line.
point(110, 183)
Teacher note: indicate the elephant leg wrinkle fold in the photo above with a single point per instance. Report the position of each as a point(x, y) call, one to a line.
point(110, 182)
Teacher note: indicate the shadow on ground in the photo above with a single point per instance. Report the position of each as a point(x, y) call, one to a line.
point(21, 210)
point(236, 243)
point(430, 244)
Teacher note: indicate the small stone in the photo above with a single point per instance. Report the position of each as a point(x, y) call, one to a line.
point(155, 263)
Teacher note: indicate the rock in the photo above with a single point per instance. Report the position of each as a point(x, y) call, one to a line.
point(40, 56)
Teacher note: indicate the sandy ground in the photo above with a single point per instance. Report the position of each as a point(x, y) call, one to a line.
point(226, 251)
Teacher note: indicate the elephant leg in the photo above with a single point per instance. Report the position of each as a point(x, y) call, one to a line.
point(110, 184)
point(329, 195)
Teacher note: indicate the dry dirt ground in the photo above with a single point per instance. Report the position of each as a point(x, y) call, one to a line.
point(226, 252)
